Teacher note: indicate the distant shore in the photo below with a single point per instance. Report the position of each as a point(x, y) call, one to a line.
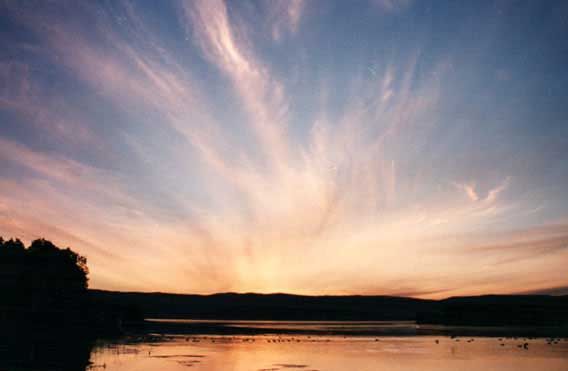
point(343, 328)
point(491, 315)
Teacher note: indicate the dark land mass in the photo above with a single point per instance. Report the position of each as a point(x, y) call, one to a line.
point(48, 319)
point(231, 306)
point(537, 315)
point(44, 287)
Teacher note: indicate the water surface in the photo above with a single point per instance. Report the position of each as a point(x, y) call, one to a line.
point(333, 353)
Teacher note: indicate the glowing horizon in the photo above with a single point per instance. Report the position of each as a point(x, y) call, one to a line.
point(389, 148)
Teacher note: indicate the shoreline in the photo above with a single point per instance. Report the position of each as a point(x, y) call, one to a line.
point(342, 328)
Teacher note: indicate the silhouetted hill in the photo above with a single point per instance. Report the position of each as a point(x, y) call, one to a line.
point(503, 310)
point(269, 306)
point(491, 310)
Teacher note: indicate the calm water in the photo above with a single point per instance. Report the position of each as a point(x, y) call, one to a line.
point(332, 353)
point(285, 346)
point(310, 327)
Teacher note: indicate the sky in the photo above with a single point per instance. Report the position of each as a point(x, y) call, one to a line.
point(389, 147)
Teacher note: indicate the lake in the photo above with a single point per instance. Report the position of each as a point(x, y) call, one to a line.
point(330, 346)
point(333, 353)
point(289, 346)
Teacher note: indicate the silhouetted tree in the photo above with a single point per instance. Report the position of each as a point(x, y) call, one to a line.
point(46, 286)
point(11, 247)
point(66, 269)
point(42, 281)
point(44, 307)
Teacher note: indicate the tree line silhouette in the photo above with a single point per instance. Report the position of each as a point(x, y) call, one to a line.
point(45, 310)
point(45, 286)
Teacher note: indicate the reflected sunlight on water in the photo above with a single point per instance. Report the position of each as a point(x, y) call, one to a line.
point(265, 352)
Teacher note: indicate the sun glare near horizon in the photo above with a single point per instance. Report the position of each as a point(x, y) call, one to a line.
point(390, 147)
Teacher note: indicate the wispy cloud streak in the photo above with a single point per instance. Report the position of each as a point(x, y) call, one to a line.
point(368, 181)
